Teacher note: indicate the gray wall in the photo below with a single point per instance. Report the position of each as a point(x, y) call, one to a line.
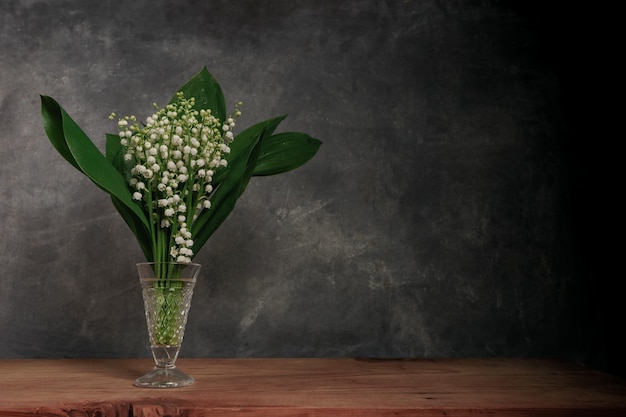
point(435, 221)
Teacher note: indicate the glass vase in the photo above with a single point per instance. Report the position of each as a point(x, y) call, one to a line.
point(167, 289)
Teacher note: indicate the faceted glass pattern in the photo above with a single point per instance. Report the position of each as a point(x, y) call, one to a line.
point(167, 289)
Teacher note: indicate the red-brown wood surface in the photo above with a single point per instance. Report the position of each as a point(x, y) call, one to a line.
point(312, 387)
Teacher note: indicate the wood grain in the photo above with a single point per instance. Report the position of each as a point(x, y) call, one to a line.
point(311, 387)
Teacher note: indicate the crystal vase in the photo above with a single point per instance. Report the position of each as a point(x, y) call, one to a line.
point(167, 289)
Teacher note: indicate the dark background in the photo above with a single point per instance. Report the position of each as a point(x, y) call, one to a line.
point(461, 204)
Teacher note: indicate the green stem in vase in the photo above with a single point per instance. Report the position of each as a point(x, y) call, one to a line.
point(167, 297)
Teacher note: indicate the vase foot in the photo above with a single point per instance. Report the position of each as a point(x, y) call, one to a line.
point(164, 377)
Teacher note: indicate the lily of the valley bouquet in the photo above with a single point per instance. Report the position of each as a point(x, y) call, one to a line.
point(176, 177)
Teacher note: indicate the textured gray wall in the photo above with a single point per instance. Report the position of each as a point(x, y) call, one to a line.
point(433, 222)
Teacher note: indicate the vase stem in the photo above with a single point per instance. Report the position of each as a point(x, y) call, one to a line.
point(165, 356)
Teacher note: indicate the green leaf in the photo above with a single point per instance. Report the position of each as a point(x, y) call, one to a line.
point(243, 139)
point(207, 93)
point(114, 152)
point(136, 226)
point(242, 142)
point(249, 146)
point(250, 164)
point(76, 147)
point(230, 188)
point(284, 152)
point(53, 125)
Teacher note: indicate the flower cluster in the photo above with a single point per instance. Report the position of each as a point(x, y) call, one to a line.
point(169, 162)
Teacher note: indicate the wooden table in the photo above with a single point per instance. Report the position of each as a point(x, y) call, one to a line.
point(311, 387)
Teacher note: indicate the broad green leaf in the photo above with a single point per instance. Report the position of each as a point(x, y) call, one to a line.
point(225, 196)
point(114, 155)
point(96, 166)
point(114, 152)
point(113, 146)
point(242, 142)
point(53, 125)
point(207, 93)
point(223, 200)
point(136, 226)
point(285, 151)
point(281, 156)
point(250, 164)
point(76, 147)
